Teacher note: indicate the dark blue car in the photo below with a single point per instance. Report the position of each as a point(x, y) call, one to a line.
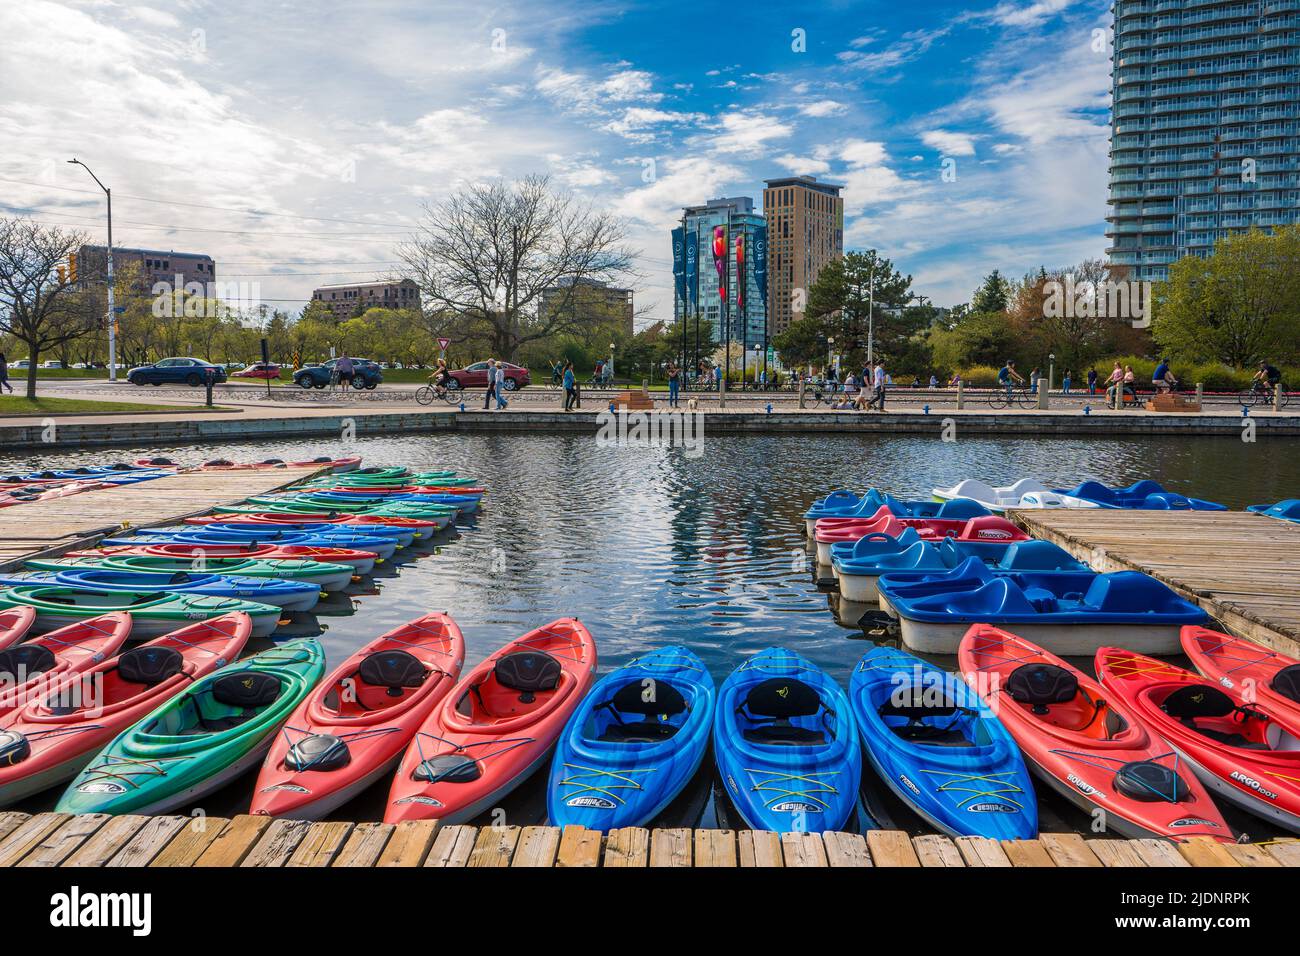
point(366, 374)
point(176, 371)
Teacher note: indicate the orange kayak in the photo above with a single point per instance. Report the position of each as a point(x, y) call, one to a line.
point(496, 727)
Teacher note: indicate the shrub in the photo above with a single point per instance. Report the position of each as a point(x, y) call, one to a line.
point(980, 376)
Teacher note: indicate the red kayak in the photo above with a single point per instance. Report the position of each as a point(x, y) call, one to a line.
point(29, 670)
point(353, 727)
point(1249, 672)
point(1090, 750)
point(1242, 752)
point(14, 624)
point(48, 740)
point(362, 561)
point(335, 465)
point(496, 727)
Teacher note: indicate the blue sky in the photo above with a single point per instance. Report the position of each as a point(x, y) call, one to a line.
point(290, 117)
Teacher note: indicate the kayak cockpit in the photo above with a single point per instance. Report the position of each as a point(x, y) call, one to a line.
point(121, 682)
point(1054, 696)
point(383, 680)
point(1212, 713)
point(639, 712)
point(224, 704)
point(520, 683)
point(784, 712)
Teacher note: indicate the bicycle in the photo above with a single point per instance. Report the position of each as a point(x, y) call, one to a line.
point(1261, 394)
point(428, 394)
point(1002, 397)
point(827, 392)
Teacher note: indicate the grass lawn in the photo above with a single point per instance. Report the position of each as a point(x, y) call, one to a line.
point(19, 405)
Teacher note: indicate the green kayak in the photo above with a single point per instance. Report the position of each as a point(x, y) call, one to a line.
point(201, 739)
point(153, 613)
point(327, 577)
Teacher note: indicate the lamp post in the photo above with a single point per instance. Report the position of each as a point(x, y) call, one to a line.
point(112, 312)
point(1051, 369)
point(611, 363)
point(871, 314)
point(830, 354)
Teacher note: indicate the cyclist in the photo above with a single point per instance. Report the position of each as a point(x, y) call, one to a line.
point(557, 373)
point(1267, 377)
point(438, 378)
point(1163, 378)
point(1008, 376)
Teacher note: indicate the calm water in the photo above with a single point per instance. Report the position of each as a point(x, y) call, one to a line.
point(648, 546)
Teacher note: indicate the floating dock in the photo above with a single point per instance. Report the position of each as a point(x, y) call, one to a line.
point(1240, 567)
point(95, 840)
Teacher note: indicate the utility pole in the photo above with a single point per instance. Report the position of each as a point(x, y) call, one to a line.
point(871, 315)
point(112, 311)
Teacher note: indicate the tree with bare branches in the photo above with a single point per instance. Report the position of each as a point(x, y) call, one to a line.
point(38, 303)
point(483, 256)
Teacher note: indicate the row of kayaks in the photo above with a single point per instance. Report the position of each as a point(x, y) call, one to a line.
point(1143, 747)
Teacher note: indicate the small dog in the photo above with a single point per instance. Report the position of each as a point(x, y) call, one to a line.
point(693, 404)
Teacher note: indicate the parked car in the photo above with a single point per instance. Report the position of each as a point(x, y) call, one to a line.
point(259, 370)
point(475, 376)
point(176, 371)
point(367, 374)
point(52, 364)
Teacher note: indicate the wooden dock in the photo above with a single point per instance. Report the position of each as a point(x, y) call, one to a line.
point(64, 524)
point(97, 840)
point(1241, 567)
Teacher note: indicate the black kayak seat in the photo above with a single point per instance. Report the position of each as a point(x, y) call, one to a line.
point(655, 701)
point(528, 672)
point(1195, 701)
point(392, 669)
point(150, 665)
point(773, 703)
point(249, 691)
point(919, 706)
point(25, 661)
point(1287, 682)
point(1041, 685)
point(318, 752)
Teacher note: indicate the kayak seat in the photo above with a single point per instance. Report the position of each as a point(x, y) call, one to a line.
point(774, 704)
point(394, 670)
point(1287, 682)
point(917, 712)
point(1041, 685)
point(318, 752)
point(150, 665)
point(1201, 702)
point(528, 672)
point(25, 661)
point(666, 703)
point(246, 691)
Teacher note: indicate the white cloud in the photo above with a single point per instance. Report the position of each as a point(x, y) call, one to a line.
point(803, 165)
point(744, 134)
point(910, 46)
point(949, 143)
point(822, 108)
point(636, 120)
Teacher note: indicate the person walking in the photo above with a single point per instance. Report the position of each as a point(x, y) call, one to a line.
point(1065, 382)
point(879, 378)
point(4, 373)
point(674, 383)
point(1033, 380)
point(570, 387)
point(491, 392)
point(347, 371)
point(1092, 381)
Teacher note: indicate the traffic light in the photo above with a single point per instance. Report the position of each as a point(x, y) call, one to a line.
point(72, 267)
point(63, 275)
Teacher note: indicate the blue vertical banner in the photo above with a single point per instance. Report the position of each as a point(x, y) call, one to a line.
point(693, 270)
point(760, 261)
point(679, 265)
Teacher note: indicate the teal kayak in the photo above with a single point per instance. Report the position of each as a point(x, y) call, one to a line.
point(201, 739)
point(153, 613)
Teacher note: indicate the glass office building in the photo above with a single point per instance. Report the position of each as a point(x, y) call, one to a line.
point(748, 325)
point(1204, 134)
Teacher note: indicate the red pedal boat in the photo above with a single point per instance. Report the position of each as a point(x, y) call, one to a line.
point(354, 726)
point(496, 727)
point(986, 528)
point(29, 670)
point(49, 739)
point(1088, 749)
point(363, 562)
point(14, 624)
point(1247, 671)
point(1241, 752)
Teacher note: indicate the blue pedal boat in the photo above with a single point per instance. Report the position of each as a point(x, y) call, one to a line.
point(786, 745)
point(634, 742)
point(941, 749)
point(1143, 495)
point(1287, 510)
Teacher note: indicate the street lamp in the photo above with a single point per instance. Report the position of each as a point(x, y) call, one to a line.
point(611, 363)
point(1051, 369)
point(112, 312)
point(830, 353)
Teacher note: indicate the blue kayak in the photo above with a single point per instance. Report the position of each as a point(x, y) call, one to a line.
point(403, 536)
point(1143, 495)
point(1287, 510)
point(1068, 612)
point(632, 745)
point(289, 595)
point(940, 748)
point(786, 745)
point(383, 548)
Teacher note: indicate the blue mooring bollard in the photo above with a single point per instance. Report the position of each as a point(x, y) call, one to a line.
point(1087, 410)
point(769, 408)
point(1245, 411)
point(611, 408)
point(462, 406)
point(926, 409)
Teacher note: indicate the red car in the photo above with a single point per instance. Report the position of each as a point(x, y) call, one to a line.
point(475, 376)
point(258, 370)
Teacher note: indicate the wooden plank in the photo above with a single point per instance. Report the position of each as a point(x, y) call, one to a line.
point(670, 847)
point(29, 834)
point(409, 843)
point(1115, 853)
point(578, 847)
point(1027, 853)
point(1069, 849)
point(846, 849)
point(494, 846)
point(936, 850)
point(277, 844)
point(803, 850)
point(149, 841)
point(1158, 852)
point(1202, 851)
point(891, 848)
point(715, 848)
point(1248, 855)
point(364, 845)
point(321, 845)
point(10, 820)
point(235, 841)
point(451, 846)
point(1286, 852)
point(106, 841)
point(627, 847)
point(759, 848)
point(981, 851)
point(537, 847)
point(64, 841)
point(191, 842)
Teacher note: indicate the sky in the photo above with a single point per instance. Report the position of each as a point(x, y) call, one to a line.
point(297, 143)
